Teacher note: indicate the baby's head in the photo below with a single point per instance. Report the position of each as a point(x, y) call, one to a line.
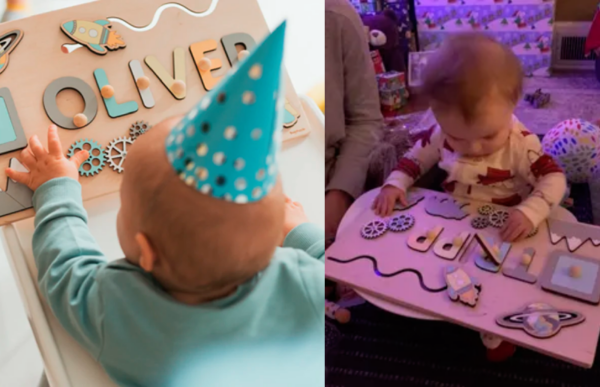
point(202, 207)
point(473, 84)
point(196, 246)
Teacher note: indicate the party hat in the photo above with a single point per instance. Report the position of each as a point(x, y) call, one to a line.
point(227, 145)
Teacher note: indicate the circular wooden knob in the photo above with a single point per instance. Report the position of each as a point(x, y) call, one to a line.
point(143, 83)
point(526, 259)
point(205, 64)
point(457, 242)
point(80, 120)
point(242, 54)
point(575, 271)
point(107, 91)
point(431, 235)
point(178, 87)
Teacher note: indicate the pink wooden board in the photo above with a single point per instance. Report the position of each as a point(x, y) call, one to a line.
point(499, 295)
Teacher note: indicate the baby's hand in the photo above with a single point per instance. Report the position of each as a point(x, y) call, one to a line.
point(45, 165)
point(385, 201)
point(518, 226)
point(294, 216)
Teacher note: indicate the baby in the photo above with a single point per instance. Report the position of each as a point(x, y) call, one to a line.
point(204, 296)
point(473, 84)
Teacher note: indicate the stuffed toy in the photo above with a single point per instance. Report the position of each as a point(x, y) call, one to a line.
point(384, 36)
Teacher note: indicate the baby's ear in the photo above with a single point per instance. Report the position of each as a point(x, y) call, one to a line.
point(147, 253)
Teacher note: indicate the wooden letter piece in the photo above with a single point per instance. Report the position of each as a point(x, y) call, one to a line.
point(420, 241)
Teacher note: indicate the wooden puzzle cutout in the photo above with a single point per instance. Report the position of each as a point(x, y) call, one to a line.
point(290, 115)
point(573, 276)
point(491, 262)
point(488, 248)
point(461, 286)
point(540, 320)
point(575, 234)
point(198, 51)
point(412, 199)
point(8, 42)
point(169, 81)
point(446, 208)
point(230, 42)
point(448, 248)
point(113, 108)
point(145, 93)
point(390, 275)
point(17, 197)
point(86, 92)
point(521, 270)
point(12, 136)
point(422, 240)
point(97, 36)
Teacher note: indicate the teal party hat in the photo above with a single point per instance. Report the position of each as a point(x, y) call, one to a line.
point(227, 145)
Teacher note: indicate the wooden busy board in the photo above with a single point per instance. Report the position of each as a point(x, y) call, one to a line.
point(500, 295)
point(173, 37)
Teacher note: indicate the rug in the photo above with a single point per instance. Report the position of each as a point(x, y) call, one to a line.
point(380, 349)
point(572, 95)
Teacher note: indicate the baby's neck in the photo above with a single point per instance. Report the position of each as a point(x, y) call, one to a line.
point(202, 298)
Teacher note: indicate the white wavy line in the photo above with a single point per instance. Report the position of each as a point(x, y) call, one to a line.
point(159, 11)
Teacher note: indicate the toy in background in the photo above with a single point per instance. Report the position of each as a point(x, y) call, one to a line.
point(393, 94)
point(524, 26)
point(592, 42)
point(575, 145)
point(537, 99)
point(15, 9)
point(385, 38)
point(416, 64)
point(377, 62)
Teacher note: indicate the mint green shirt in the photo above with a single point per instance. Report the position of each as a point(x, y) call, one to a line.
point(269, 333)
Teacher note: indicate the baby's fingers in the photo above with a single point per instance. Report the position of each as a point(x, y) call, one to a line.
point(54, 146)
point(402, 198)
point(80, 157)
point(36, 148)
point(19, 177)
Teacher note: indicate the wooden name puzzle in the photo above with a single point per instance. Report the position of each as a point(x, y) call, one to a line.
point(96, 69)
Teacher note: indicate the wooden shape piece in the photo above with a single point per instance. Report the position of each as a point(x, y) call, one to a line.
point(163, 75)
point(445, 207)
point(575, 234)
point(488, 248)
point(492, 265)
point(461, 286)
point(447, 249)
point(198, 50)
point(8, 42)
point(97, 36)
point(413, 200)
point(86, 92)
point(419, 241)
point(12, 136)
point(555, 276)
point(113, 108)
point(540, 320)
point(19, 192)
point(140, 81)
point(520, 270)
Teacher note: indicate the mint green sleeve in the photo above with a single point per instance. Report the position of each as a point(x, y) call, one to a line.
point(68, 261)
point(309, 238)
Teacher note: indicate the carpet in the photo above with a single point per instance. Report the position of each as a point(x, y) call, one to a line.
point(380, 349)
